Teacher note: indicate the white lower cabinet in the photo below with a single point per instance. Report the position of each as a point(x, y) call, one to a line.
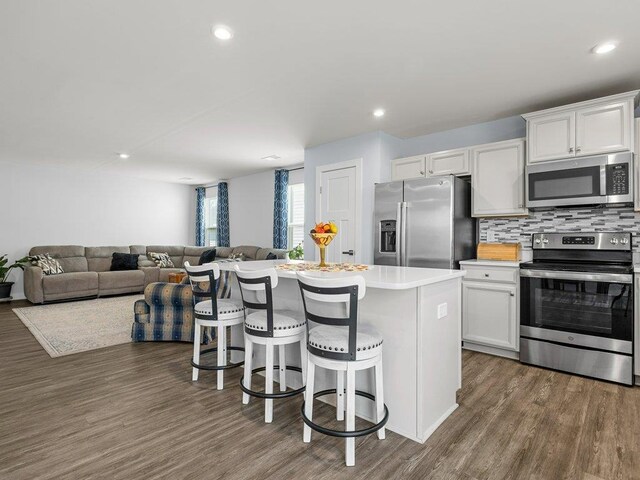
point(490, 319)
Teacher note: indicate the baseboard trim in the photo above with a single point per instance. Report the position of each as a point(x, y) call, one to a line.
point(434, 426)
point(491, 350)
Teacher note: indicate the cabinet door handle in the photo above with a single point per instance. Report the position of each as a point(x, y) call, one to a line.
point(578, 149)
point(421, 172)
point(570, 149)
point(431, 171)
point(512, 294)
point(486, 275)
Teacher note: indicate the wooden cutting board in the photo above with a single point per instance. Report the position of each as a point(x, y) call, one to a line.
point(499, 251)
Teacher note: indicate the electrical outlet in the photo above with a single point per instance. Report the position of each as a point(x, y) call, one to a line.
point(442, 310)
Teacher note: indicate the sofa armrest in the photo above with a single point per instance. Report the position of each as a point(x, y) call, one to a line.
point(151, 274)
point(33, 284)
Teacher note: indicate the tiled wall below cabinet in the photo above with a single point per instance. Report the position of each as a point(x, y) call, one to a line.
point(562, 220)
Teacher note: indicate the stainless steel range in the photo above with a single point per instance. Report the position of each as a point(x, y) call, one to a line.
point(576, 311)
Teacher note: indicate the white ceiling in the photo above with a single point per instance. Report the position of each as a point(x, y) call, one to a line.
point(83, 79)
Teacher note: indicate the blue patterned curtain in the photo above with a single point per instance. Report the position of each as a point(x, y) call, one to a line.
point(223, 214)
point(200, 223)
point(280, 209)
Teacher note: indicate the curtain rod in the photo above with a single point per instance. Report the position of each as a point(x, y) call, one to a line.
point(287, 169)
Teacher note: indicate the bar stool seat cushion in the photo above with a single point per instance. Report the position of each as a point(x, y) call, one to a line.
point(336, 339)
point(285, 322)
point(226, 309)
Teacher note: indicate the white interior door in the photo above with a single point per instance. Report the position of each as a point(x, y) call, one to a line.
point(338, 198)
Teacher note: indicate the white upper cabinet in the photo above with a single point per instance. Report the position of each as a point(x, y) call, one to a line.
point(551, 136)
point(636, 181)
point(498, 179)
point(409, 167)
point(594, 127)
point(604, 128)
point(450, 162)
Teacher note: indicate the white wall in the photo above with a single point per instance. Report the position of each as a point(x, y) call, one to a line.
point(251, 208)
point(56, 206)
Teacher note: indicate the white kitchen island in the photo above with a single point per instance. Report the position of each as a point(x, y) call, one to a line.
point(418, 313)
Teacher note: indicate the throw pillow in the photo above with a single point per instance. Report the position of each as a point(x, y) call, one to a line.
point(124, 261)
point(236, 256)
point(162, 259)
point(49, 265)
point(207, 256)
point(271, 256)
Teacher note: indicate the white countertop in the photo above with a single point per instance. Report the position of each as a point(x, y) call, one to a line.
point(378, 276)
point(492, 263)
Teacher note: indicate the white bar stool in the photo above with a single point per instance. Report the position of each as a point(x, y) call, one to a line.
point(269, 328)
point(215, 313)
point(341, 344)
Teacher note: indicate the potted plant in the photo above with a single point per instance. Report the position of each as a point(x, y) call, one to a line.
point(296, 253)
point(5, 287)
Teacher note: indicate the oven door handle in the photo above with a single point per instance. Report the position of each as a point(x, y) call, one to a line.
point(585, 276)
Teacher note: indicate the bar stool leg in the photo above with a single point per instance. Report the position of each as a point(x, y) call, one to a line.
point(350, 450)
point(379, 397)
point(248, 365)
point(283, 368)
point(339, 395)
point(308, 402)
point(196, 350)
point(303, 363)
point(222, 354)
point(268, 388)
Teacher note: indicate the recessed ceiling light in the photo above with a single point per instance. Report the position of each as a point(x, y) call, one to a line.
point(222, 33)
point(604, 47)
point(124, 156)
point(184, 179)
point(271, 157)
point(378, 112)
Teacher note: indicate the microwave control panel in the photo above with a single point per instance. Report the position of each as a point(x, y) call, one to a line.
point(618, 179)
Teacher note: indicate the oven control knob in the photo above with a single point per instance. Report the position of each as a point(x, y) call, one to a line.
point(545, 241)
point(614, 241)
point(538, 241)
point(624, 241)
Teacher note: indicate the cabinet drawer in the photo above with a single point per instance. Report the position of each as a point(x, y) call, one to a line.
point(491, 274)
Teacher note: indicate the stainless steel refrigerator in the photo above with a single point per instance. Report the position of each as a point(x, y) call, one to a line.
point(424, 222)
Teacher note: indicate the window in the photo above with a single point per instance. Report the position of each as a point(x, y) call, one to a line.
point(296, 215)
point(211, 220)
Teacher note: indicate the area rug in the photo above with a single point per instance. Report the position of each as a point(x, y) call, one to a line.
point(66, 328)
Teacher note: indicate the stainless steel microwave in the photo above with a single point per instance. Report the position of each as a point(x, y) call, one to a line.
point(597, 180)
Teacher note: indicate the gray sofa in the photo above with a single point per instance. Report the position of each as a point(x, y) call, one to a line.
point(87, 271)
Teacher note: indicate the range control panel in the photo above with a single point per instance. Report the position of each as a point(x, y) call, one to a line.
point(582, 241)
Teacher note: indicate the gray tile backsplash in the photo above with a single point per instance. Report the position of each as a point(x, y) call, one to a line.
point(562, 220)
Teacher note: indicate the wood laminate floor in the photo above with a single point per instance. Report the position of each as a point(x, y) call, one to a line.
point(131, 412)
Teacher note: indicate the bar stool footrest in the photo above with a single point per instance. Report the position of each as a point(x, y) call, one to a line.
point(291, 393)
point(345, 433)
point(216, 367)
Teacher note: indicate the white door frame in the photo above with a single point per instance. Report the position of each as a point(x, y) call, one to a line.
point(357, 163)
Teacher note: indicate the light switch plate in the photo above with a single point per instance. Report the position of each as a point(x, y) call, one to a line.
point(442, 310)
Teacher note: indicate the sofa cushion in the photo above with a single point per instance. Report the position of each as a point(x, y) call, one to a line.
point(176, 252)
point(59, 251)
point(162, 259)
point(121, 279)
point(99, 258)
point(207, 256)
point(192, 255)
point(70, 282)
point(224, 252)
point(138, 249)
point(248, 251)
point(123, 261)
point(263, 253)
point(48, 265)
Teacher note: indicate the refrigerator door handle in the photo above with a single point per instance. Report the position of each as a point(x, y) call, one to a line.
point(403, 238)
point(399, 234)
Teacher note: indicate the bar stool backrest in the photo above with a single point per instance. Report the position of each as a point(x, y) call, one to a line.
point(346, 290)
point(204, 285)
point(256, 290)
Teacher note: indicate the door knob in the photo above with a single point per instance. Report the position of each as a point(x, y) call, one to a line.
point(348, 252)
